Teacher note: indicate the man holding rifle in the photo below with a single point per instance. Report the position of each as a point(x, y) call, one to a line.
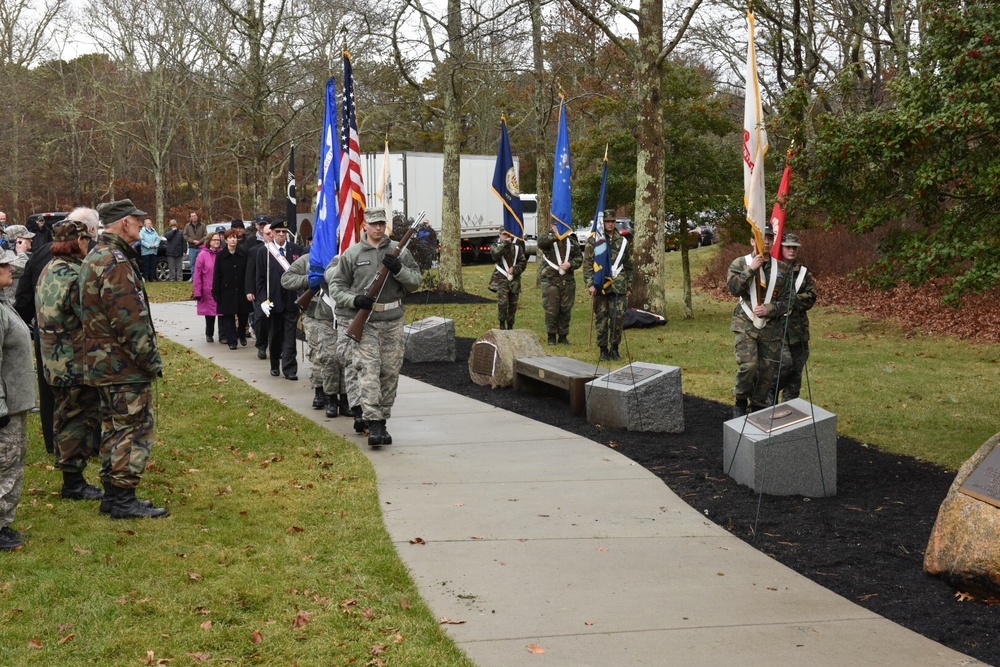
point(377, 354)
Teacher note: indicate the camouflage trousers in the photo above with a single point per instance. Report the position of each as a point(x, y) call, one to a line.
point(758, 368)
point(507, 300)
point(13, 454)
point(374, 363)
point(345, 355)
point(609, 318)
point(326, 370)
point(77, 419)
point(795, 355)
point(558, 297)
point(126, 432)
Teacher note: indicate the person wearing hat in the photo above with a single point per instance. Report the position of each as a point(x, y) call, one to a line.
point(17, 398)
point(122, 358)
point(759, 285)
point(509, 261)
point(19, 240)
point(802, 297)
point(278, 303)
point(372, 364)
point(194, 235)
point(77, 406)
point(558, 261)
point(610, 293)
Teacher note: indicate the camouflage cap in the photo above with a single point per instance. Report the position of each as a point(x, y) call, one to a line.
point(113, 211)
point(70, 230)
point(609, 214)
point(374, 215)
point(7, 257)
point(790, 240)
point(18, 232)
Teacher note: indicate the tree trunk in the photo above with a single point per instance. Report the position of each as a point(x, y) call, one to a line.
point(686, 269)
point(450, 273)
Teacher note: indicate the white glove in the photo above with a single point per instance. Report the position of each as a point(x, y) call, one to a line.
point(266, 307)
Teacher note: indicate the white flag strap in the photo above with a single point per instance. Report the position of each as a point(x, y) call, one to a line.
point(505, 270)
point(276, 253)
point(616, 268)
point(759, 322)
point(801, 278)
point(559, 259)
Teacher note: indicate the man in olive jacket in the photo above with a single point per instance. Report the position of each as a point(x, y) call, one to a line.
point(122, 358)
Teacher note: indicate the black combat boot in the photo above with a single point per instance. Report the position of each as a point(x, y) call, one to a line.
point(331, 405)
point(345, 406)
point(320, 399)
point(10, 539)
point(510, 324)
point(740, 409)
point(75, 487)
point(564, 340)
point(376, 431)
point(108, 501)
point(127, 506)
point(503, 325)
point(359, 422)
point(552, 339)
point(614, 353)
point(605, 355)
point(386, 438)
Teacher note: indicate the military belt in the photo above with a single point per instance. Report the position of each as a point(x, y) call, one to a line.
point(382, 307)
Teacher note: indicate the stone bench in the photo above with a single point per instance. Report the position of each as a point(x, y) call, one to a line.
point(564, 373)
point(429, 339)
point(638, 397)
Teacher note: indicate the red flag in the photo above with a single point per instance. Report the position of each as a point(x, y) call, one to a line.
point(778, 214)
point(351, 190)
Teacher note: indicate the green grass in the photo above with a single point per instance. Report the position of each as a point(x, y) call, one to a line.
point(273, 519)
point(928, 397)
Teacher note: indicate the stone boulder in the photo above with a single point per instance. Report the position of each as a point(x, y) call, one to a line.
point(964, 547)
point(491, 362)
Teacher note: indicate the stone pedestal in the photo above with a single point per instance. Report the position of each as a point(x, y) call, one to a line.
point(795, 460)
point(638, 397)
point(430, 339)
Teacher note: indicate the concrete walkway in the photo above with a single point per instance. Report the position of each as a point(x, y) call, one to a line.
point(535, 537)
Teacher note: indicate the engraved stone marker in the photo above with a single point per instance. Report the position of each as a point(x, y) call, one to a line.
point(430, 339)
point(484, 358)
point(638, 397)
point(984, 482)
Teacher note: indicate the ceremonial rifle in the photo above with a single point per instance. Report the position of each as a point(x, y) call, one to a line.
point(357, 328)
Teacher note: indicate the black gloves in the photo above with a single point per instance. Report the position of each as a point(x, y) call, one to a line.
point(392, 263)
point(364, 302)
point(4, 421)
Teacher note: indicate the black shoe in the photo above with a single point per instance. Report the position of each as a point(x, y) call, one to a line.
point(376, 432)
point(291, 376)
point(614, 353)
point(319, 400)
point(232, 346)
point(108, 501)
point(386, 438)
point(127, 506)
point(75, 487)
point(345, 406)
point(275, 372)
point(261, 354)
point(331, 405)
point(243, 341)
point(360, 426)
point(605, 355)
point(224, 341)
point(9, 541)
point(564, 340)
point(209, 338)
point(503, 325)
point(14, 534)
point(740, 409)
point(510, 324)
point(552, 339)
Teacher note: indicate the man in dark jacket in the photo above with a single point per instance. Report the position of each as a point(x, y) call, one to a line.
point(174, 250)
point(277, 303)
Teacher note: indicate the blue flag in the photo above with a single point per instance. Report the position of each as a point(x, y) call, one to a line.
point(325, 245)
point(506, 187)
point(562, 197)
point(602, 251)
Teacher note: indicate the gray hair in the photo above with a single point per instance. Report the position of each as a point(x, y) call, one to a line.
point(87, 216)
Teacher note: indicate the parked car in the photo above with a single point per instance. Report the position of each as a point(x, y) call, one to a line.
point(672, 233)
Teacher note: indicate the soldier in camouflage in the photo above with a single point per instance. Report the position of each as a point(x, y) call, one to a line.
point(559, 259)
point(509, 262)
point(326, 374)
point(758, 325)
point(378, 356)
point(611, 298)
point(58, 317)
point(802, 297)
point(122, 358)
point(17, 398)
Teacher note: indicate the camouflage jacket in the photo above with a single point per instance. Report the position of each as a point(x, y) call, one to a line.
point(740, 280)
point(296, 278)
point(801, 300)
point(118, 334)
point(622, 283)
point(357, 269)
point(547, 244)
point(59, 322)
point(512, 252)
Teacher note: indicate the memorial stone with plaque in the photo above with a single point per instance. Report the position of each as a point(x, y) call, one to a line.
point(430, 339)
point(787, 450)
point(638, 397)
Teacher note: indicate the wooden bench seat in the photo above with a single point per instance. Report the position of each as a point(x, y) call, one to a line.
point(565, 373)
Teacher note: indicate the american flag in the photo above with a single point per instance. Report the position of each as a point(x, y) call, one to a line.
point(352, 190)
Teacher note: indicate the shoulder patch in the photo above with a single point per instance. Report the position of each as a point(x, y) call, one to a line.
point(362, 262)
point(118, 255)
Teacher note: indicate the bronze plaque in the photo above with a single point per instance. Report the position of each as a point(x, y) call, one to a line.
point(631, 376)
point(779, 417)
point(484, 358)
point(984, 482)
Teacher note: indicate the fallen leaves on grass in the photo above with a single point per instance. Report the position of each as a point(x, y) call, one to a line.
point(66, 638)
point(207, 625)
point(194, 576)
point(257, 637)
point(201, 657)
point(82, 551)
point(403, 603)
point(35, 642)
point(301, 619)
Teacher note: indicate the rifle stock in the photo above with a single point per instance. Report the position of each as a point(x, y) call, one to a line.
point(357, 328)
point(304, 300)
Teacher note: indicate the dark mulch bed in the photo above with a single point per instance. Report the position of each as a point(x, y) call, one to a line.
point(866, 543)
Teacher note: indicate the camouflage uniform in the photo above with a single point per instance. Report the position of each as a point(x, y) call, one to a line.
point(60, 338)
point(510, 254)
point(610, 301)
point(122, 358)
point(374, 362)
point(757, 350)
point(558, 291)
point(318, 322)
point(17, 396)
point(797, 332)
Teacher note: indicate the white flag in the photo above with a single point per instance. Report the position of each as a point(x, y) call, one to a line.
point(754, 145)
point(384, 193)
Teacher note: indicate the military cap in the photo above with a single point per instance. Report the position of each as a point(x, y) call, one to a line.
point(261, 219)
point(237, 224)
point(768, 230)
point(375, 215)
point(70, 230)
point(18, 232)
point(791, 240)
point(7, 256)
point(113, 211)
point(279, 224)
point(609, 214)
